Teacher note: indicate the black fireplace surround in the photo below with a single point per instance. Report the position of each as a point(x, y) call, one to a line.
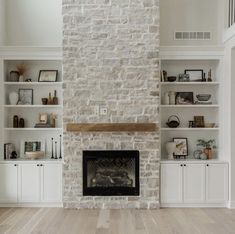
point(111, 173)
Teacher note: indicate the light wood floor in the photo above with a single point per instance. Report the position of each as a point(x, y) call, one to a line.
point(58, 220)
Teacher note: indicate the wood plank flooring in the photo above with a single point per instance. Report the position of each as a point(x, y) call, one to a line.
point(163, 221)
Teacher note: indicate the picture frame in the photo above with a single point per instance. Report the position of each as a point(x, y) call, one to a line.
point(31, 145)
point(181, 147)
point(199, 122)
point(43, 118)
point(25, 97)
point(48, 76)
point(184, 98)
point(195, 75)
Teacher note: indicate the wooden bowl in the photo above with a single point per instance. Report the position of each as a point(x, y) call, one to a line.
point(34, 155)
point(209, 125)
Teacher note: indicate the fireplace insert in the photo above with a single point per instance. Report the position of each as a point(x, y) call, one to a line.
point(111, 173)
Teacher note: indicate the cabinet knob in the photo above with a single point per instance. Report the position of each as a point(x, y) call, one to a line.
point(181, 165)
point(207, 165)
point(41, 165)
point(185, 165)
point(15, 165)
point(37, 165)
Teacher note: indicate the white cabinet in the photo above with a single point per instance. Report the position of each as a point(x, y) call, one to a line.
point(8, 183)
point(171, 183)
point(51, 183)
point(194, 177)
point(217, 183)
point(30, 182)
point(194, 183)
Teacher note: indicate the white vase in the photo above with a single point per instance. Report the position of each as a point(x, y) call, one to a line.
point(13, 98)
point(21, 78)
point(170, 149)
point(172, 98)
point(166, 100)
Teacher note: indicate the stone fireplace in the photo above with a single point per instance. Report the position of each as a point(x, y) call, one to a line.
point(111, 61)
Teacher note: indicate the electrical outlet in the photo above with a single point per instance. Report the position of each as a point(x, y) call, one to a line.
point(103, 110)
point(97, 110)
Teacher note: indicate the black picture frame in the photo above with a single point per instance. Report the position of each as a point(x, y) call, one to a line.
point(48, 76)
point(181, 142)
point(195, 75)
point(23, 98)
point(184, 98)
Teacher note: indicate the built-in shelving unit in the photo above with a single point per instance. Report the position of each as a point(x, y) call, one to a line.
point(213, 113)
point(38, 59)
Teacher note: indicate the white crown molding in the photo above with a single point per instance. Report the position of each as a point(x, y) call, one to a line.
point(15, 52)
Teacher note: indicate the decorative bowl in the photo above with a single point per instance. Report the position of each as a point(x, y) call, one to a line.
point(35, 155)
point(171, 78)
point(203, 97)
point(209, 125)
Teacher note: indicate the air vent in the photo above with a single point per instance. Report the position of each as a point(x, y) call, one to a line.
point(192, 35)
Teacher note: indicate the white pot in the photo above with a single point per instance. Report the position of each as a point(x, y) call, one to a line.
point(13, 98)
point(170, 149)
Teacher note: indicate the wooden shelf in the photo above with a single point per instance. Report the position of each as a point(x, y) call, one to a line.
point(33, 129)
point(33, 106)
point(112, 127)
point(33, 83)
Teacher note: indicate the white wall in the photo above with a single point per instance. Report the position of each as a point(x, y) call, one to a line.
point(34, 22)
point(2, 22)
point(190, 15)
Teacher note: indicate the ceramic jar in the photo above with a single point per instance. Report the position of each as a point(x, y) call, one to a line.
point(13, 98)
point(166, 100)
point(170, 149)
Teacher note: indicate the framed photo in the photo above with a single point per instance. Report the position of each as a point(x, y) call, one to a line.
point(199, 122)
point(181, 147)
point(184, 98)
point(43, 118)
point(31, 146)
point(194, 74)
point(48, 75)
point(25, 97)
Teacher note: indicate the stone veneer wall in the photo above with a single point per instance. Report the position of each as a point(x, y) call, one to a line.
point(111, 59)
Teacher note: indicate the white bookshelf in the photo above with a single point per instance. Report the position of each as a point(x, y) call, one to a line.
point(213, 113)
point(36, 60)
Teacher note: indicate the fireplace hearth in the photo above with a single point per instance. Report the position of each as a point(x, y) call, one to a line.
point(111, 173)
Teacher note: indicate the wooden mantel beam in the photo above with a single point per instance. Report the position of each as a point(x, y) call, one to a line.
point(111, 127)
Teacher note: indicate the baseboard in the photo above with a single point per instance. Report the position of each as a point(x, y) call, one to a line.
point(231, 204)
point(188, 205)
point(56, 204)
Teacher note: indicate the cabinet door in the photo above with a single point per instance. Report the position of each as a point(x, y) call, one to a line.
point(8, 183)
point(216, 183)
point(29, 180)
point(171, 183)
point(51, 183)
point(194, 183)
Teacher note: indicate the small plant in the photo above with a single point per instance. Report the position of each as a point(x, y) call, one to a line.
point(206, 144)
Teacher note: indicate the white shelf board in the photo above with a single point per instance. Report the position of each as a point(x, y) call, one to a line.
point(189, 129)
point(33, 129)
point(33, 106)
point(33, 83)
point(190, 83)
point(189, 106)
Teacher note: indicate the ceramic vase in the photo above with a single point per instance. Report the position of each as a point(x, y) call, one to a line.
point(170, 149)
point(13, 98)
point(166, 100)
point(21, 78)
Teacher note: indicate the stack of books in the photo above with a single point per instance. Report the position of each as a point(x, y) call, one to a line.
point(42, 125)
point(8, 149)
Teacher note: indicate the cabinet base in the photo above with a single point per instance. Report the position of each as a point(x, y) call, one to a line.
point(188, 205)
point(56, 204)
